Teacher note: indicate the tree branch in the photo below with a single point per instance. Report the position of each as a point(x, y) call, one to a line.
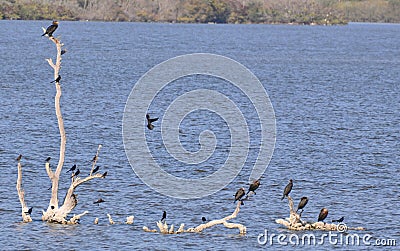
point(163, 227)
point(21, 194)
point(294, 222)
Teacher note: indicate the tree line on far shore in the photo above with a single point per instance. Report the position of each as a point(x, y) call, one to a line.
point(206, 11)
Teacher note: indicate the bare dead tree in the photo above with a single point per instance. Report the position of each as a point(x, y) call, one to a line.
point(54, 212)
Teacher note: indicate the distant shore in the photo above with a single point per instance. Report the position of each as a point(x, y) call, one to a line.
point(297, 12)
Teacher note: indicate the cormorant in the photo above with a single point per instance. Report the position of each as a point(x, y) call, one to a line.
point(57, 79)
point(94, 158)
point(149, 121)
point(63, 51)
point(49, 31)
point(48, 159)
point(104, 175)
point(288, 188)
point(99, 201)
point(253, 187)
point(303, 202)
point(95, 169)
point(323, 214)
point(72, 168)
point(340, 220)
point(19, 157)
point(164, 216)
point(29, 211)
point(239, 194)
point(203, 219)
point(76, 173)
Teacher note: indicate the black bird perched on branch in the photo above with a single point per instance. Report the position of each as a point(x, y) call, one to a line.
point(303, 202)
point(63, 51)
point(48, 159)
point(253, 187)
point(49, 31)
point(95, 169)
point(57, 79)
point(104, 175)
point(150, 121)
point(94, 158)
point(19, 157)
point(164, 216)
point(203, 219)
point(76, 173)
point(340, 220)
point(239, 194)
point(99, 201)
point(288, 188)
point(29, 211)
point(323, 214)
point(72, 168)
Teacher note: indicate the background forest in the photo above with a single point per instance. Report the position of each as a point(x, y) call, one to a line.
point(206, 11)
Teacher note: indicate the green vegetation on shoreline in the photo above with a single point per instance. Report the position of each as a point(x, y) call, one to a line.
point(206, 11)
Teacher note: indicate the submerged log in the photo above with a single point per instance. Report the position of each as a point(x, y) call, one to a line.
point(164, 229)
point(294, 222)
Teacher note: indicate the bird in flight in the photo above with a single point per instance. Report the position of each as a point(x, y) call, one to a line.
point(49, 31)
point(150, 121)
point(99, 201)
point(164, 216)
point(288, 188)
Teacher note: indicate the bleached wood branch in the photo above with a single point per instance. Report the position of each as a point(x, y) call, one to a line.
point(55, 176)
point(110, 219)
point(163, 226)
point(294, 222)
point(75, 219)
point(95, 159)
point(21, 194)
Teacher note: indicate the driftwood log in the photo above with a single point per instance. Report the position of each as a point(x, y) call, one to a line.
point(54, 212)
point(294, 222)
point(164, 229)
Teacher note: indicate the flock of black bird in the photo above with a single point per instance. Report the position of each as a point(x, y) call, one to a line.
point(240, 193)
point(303, 202)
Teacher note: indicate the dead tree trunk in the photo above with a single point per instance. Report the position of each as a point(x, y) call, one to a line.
point(54, 212)
point(164, 229)
point(21, 194)
point(294, 222)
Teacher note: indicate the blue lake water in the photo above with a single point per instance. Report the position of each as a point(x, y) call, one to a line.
point(335, 93)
